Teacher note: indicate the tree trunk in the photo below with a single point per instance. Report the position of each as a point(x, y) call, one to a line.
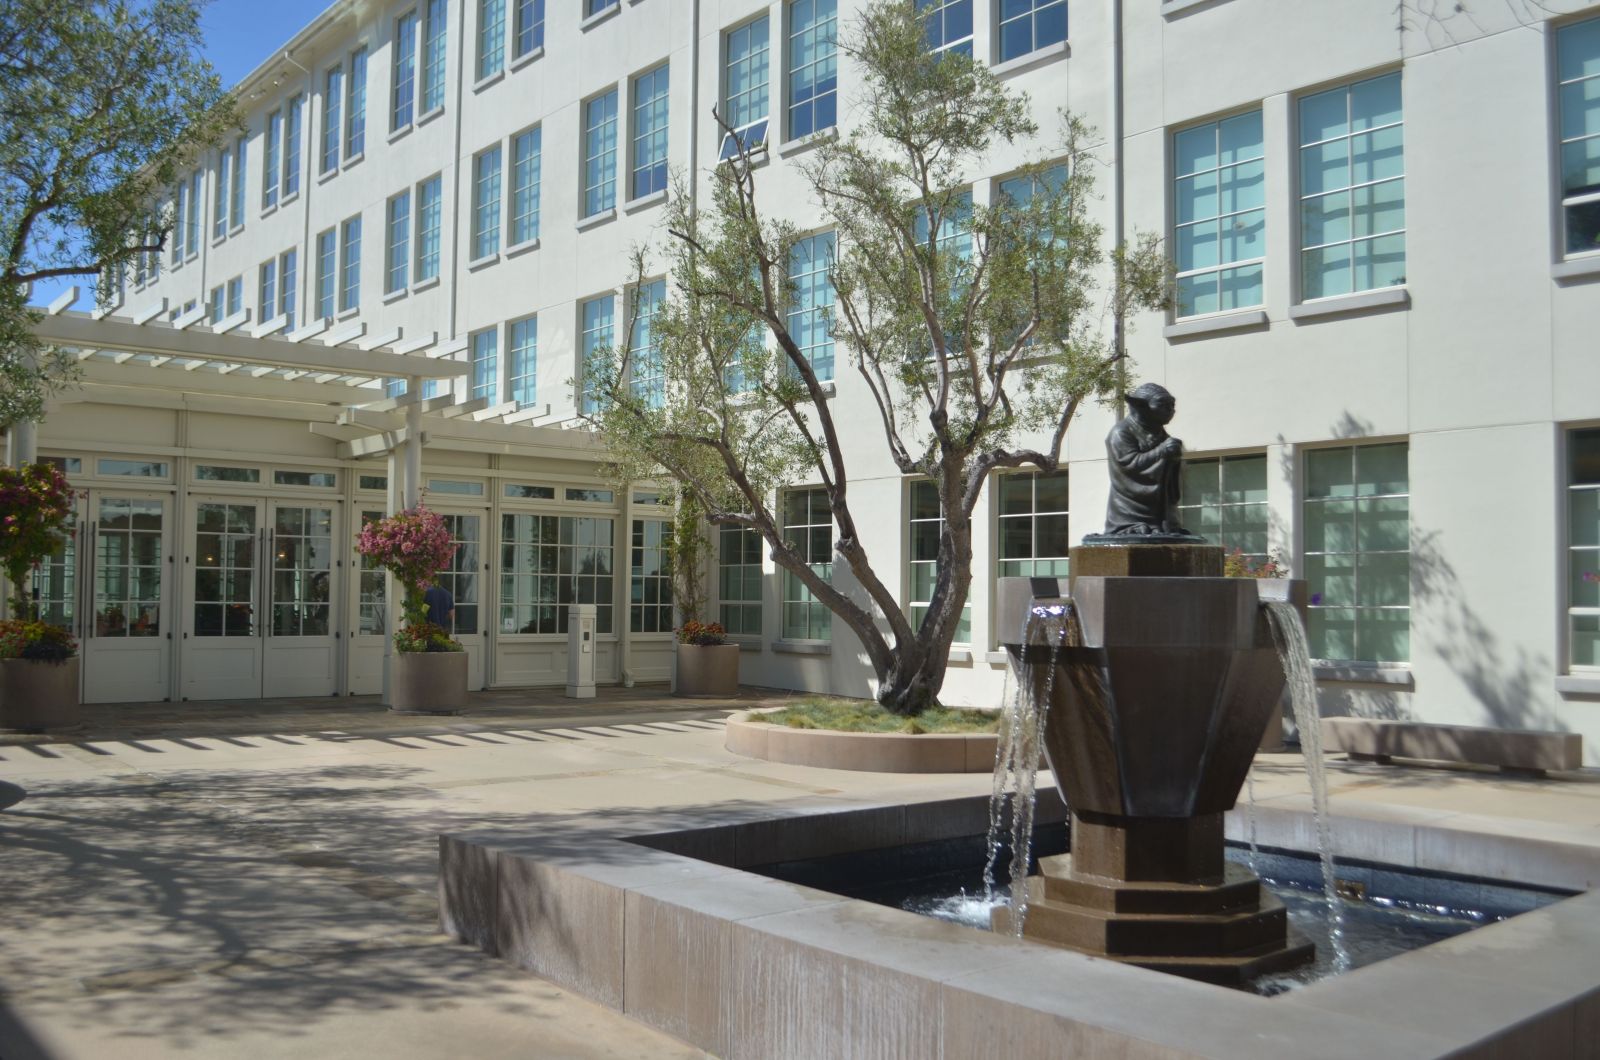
point(912, 684)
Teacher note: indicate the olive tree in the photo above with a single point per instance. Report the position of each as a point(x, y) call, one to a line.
point(973, 333)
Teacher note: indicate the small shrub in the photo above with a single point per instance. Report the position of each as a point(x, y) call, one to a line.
point(31, 639)
point(704, 634)
point(1237, 565)
point(862, 715)
point(425, 636)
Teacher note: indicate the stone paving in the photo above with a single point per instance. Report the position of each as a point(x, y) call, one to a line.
point(257, 879)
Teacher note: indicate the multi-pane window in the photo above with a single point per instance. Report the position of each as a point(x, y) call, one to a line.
point(1033, 524)
point(355, 113)
point(525, 164)
point(271, 142)
point(647, 376)
point(460, 579)
point(486, 203)
point(435, 29)
point(649, 133)
point(811, 312)
point(598, 320)
point(397, 251)
point(350, 264)
point(288, 276)
point(327, 271)
point(528, 28)
point(548, 563)
point(1358, 553)
point(1225, 501)
point(600, 154)
point(403, 91)
point(485, 363)
point(1583, 548)
point(178, 230)
point(127, 567)
point(523, 347)
point(813, 66)
point(219, 214)
point(214, 311)
point(744, 86)
point(236, 188)
point(950, 247)
point(808, 528)
point(1578, 85)
point(491, 37)
point(594, 7)
point(1218, 192)
point(650, 581)
point(1352, 189)
point(332, 106)
point(948, 25)
point(291, 147)
point(926, 525)
point(739, 580)
point(429, 212)
point(191, 219)
point(373, 589)
point(1028, 25)
point(267, 290)
point(235, 295)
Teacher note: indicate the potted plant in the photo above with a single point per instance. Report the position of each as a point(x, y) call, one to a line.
point(38, 683)
point(428, 670)
point(707, 664)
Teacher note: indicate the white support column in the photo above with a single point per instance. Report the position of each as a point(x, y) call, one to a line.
point(413, 493)
point(393, 502)
point(22, 443)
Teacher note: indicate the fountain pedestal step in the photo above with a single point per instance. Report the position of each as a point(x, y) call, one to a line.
point(1238, 888)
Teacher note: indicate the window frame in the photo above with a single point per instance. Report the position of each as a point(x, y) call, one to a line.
point(1219, 267)
point(593, 202)
point(744, 605)
point(397, 242)
point(911, 522)
point(403, 69)
point(523, 369)
point(642, 114)
point(823, 31)
point(355, 106)
point(428, 242)
point(758, 128)
point(525, 194)
point(1590, 196)
point(350, 264)
point(792, 591)
point(487, 193)
point(1032, 16)
point(1572, 611)
point(332, 119)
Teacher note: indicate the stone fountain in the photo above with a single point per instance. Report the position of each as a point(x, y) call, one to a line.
point(1157, 677)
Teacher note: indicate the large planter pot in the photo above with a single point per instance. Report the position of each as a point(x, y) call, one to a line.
point(708, 669)
point(37, 696)
point(428, 682)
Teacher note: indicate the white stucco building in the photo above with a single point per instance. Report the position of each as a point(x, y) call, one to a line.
point(1387, 228)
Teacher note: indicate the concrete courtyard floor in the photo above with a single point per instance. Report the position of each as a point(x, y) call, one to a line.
point(258, 879)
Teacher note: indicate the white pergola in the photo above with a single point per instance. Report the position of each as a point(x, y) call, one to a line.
point(334, 375)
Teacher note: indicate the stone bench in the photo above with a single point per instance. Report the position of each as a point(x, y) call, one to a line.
point(1518, 750)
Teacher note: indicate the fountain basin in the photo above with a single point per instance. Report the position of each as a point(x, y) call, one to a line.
point(653, 914)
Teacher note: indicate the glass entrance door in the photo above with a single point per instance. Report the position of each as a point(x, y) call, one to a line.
point(125, 562)
point(368, 626)
point(463, 579)
point(301, 643)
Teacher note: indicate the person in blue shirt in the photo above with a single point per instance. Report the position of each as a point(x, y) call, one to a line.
point(441, 605)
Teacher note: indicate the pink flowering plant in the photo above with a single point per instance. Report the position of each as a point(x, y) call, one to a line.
point(35, 510)
point(414, 546)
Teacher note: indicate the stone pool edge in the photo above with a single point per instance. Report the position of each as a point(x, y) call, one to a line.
point(655, 918)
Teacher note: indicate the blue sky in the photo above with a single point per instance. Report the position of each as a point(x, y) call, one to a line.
point(239, 34)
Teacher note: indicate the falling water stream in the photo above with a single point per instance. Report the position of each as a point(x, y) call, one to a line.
point(1289, 635)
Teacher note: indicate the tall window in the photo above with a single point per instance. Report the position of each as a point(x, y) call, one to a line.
point(197, 193)
point(1358, 553)
point(948, 25)
point(219, 215)
point(332, 104)
point(327, 271)
point(1583, 548)
point(434, 32)
point(267, 291)
point(235, 295)
point(524, 351)
point(813, 66)
point(1352, 189)
point(649, 132)
point(648, 376)
point(397, 253)
point(288, 277)
point(1219, 185)
point(271, 140)
point(403, 92)
point(1225, 501)
point(291, 147)
point(485, 363)
point(594, 7)
point(744, 86)
point(811, 312)
point(373, 588)
point(739, 580)
point(528, 32)
point(525, 164)
point(600, 154)
point(429, 199)
point(1033, 524)
point(350, 265)
point(550, 562)
point(650, 582)
point(1028, 25)
point(355, 114)
point(491, 37)
point(486, 203)
point(808, 528)
point(178, 197)
point(214, 310)
point(598, 320)
point(927, 523)
point(1578, 83)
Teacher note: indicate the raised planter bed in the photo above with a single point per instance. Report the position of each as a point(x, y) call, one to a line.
point(872, 752)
